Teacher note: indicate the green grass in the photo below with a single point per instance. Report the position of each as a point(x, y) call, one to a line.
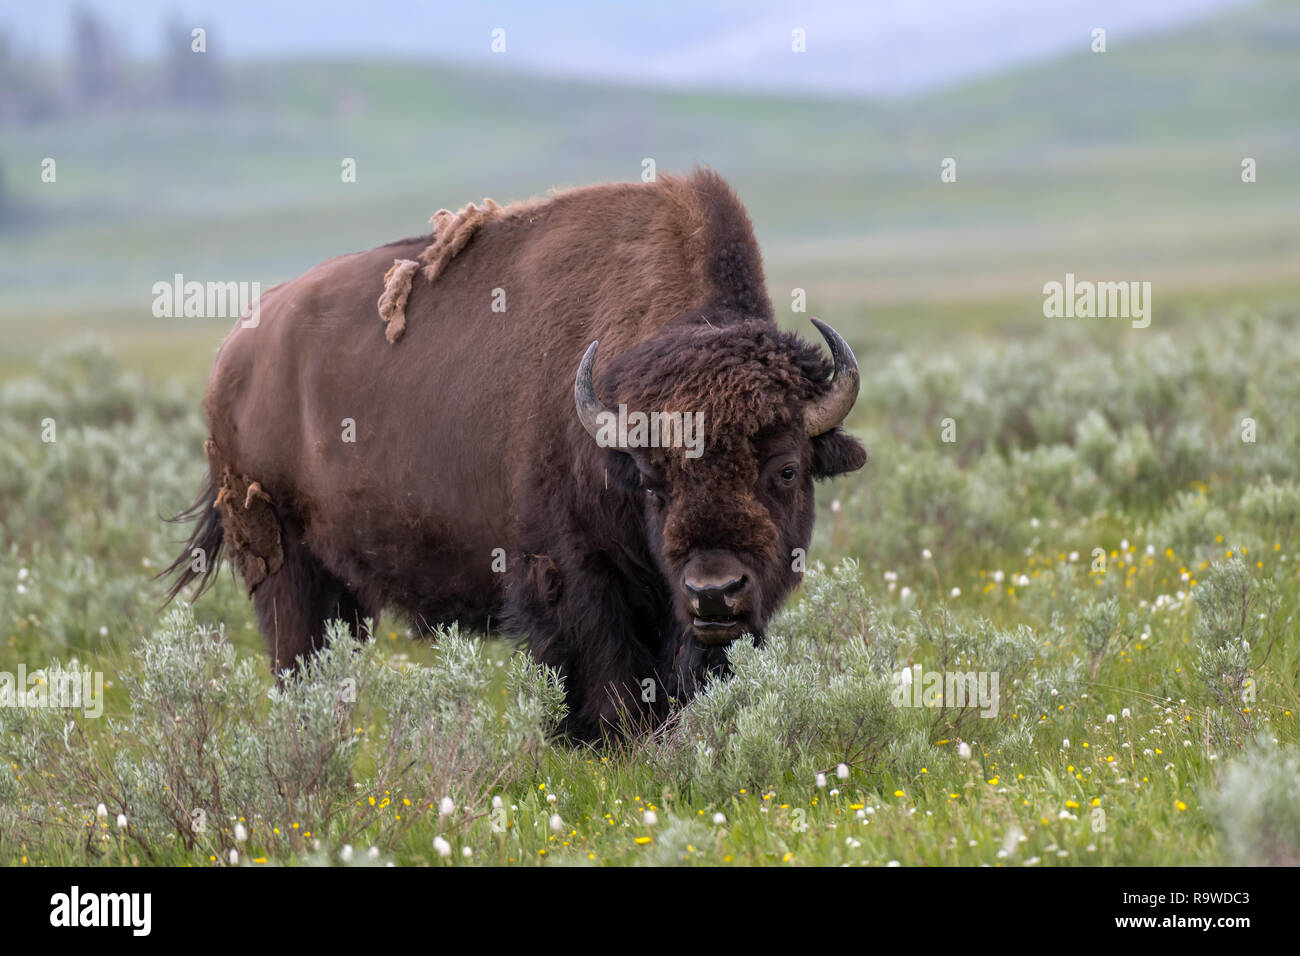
point(84, 528)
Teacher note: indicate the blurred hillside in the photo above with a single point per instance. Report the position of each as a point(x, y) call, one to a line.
point(1122, 165)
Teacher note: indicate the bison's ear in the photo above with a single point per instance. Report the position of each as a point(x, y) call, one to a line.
point(836, 452)
point(621, 470)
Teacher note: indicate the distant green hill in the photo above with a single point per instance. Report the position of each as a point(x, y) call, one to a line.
point(1123, 165)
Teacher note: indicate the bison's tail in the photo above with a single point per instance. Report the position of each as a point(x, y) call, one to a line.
point(200, 558)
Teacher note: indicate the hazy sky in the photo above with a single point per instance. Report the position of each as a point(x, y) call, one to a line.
point(872, 46)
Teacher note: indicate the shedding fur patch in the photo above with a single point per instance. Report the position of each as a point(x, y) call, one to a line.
point(452, 231)
point(397, 289)
point(248, 520)
point(697, 241)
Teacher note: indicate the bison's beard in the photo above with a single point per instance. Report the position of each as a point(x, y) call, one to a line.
point(696, 662)
point(694, 665)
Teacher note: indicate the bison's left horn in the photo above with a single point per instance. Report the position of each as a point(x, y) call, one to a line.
point(584, 393)
point(834, 406)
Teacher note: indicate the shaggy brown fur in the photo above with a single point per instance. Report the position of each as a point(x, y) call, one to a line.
point(467, 440)
point(397, 289)
point(249, 520)
point(453, 231)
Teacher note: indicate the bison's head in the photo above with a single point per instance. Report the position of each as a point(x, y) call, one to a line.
point(727, 509)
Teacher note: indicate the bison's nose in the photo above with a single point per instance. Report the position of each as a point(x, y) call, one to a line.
point(716, 598)
point(719, 596)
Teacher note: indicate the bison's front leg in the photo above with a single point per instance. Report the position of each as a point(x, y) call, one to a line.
point(598, 632)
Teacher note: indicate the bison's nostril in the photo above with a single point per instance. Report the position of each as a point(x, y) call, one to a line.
point(716, 598)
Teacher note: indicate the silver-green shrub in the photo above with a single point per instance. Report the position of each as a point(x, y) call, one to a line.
point(821, 691)
point(1234, 613)
point(209, 743)
point(1255, 806)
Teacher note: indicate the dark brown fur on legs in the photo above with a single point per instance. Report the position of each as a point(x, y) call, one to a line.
point(294, 604)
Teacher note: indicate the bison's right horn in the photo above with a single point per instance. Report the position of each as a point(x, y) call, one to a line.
point(584, 393)
point(834, 406)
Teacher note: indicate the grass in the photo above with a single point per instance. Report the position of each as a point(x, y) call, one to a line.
point(1105, 750)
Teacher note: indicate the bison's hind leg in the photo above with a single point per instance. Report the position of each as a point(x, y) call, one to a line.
point(294, 604)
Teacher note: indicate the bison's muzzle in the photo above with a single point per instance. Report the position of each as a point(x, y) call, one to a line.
point(720, 596)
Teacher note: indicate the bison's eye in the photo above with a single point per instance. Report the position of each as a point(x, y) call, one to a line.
point(788, 473)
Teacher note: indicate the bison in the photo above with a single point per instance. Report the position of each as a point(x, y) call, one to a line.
point(482, 455)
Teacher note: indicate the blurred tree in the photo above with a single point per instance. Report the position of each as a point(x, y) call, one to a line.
point(193, 76)
point(94, 68)
point(26, 90)
point(9, 95)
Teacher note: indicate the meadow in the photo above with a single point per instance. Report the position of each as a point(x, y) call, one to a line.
point(1103, 516)
point(1098, 534)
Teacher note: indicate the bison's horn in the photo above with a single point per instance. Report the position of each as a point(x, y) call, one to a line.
point(834, 406)
point(584, 393)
